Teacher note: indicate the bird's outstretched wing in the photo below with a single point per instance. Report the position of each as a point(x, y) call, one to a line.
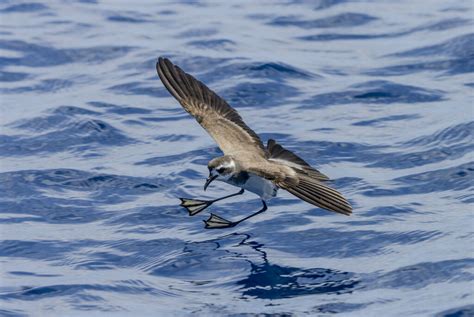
point(213, 113)
point(306, 186)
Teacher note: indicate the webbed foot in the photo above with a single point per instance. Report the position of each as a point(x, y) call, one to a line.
point(216, 222)
point(194, 206)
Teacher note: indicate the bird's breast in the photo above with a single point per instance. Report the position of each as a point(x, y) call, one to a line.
point(255, 184)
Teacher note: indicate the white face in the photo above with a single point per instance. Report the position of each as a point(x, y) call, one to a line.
point(224, 171)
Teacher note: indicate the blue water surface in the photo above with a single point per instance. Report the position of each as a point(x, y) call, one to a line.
point(94, 154)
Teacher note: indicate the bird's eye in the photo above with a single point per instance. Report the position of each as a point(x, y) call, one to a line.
point(221, 170)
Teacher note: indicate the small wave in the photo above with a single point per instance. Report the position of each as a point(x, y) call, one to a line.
point(434, 27)
point(348, 19)
point(218, 44)
point(36, 293)
point(130, 17)
point(35, 55)
point(421, 275)
point(45, 86)
point(264, 95)
point(460, 133)
point(380, 92)
point(24, 8)
point(460, 46)
point(457, 54)
point(136, 88)
point(382, 120)
point(458, 178)
point(13, 76)
point(66, 134)
point(467, 310)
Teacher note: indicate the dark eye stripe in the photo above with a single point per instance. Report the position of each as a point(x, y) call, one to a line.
point(221, 170)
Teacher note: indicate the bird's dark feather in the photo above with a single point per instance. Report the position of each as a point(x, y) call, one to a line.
point(220, 120)
point(318, 194)
point(278, 152)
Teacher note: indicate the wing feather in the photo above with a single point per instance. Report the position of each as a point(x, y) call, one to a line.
point(303, 186)
point(279, 154)
point(220, 120)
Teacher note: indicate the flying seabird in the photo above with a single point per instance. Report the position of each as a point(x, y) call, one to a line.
point(246, 162)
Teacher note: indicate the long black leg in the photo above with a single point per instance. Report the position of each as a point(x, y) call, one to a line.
point(254, 214)
point(195, 206)
point(217, 222)
point(240, 192)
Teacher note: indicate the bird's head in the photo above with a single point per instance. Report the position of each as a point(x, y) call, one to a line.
point(221, 168)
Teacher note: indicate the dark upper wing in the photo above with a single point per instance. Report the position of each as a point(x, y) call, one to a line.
point(281, 155)
point(220, 120)
point(303, 185)
point(318, 194)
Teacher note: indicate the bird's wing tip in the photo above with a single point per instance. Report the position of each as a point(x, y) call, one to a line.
point(163, 61)
point(159, 62)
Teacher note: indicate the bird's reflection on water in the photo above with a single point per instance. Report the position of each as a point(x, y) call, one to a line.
point(267, 280)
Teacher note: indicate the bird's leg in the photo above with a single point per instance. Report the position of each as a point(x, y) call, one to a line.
point(217, 222)
point(195, 206)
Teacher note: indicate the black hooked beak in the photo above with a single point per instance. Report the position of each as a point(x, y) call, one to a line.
point(209, 180)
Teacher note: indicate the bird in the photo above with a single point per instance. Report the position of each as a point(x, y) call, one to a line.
point(246, 162)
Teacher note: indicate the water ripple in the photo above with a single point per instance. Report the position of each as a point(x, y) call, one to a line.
point(340, 20)
point(95, 154)
point(34, 55)
point(24, 7)
point(379, 92)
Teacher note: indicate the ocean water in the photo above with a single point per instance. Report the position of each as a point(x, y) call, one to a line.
point(94, 154)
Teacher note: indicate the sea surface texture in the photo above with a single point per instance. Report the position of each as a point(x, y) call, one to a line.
point(95, 154)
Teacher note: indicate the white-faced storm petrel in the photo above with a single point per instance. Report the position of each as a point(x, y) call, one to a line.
point(246, 163)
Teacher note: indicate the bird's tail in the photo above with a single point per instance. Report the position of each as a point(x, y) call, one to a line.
point(314, 192)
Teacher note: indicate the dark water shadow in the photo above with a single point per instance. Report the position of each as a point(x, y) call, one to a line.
point(262, 279)
point(272, 281)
